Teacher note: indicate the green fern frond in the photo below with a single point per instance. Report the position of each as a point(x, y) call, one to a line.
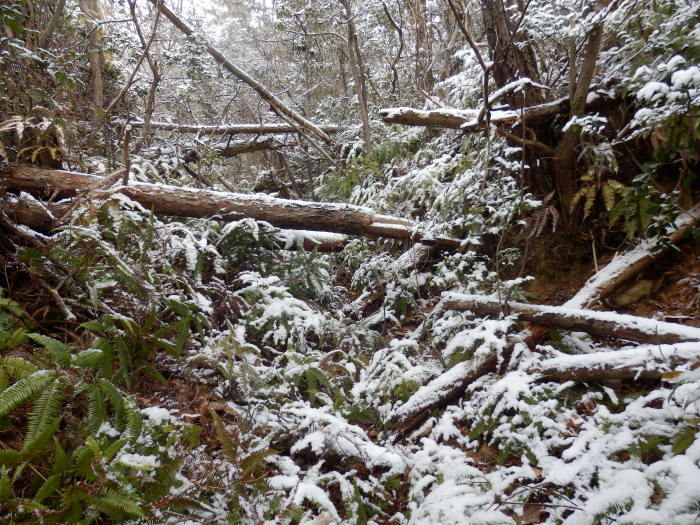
point(114, 449)
point(10, 457)
point(5, 486)
point(90, 358)
point(17, 367)
point(62, 461)
point(48, 487)
point(134, 420)
point(116, 399)
point(97, 413)
point(116, 504)
point(166, 478)
point(45, 409)
point(228, 445)
point(24, 389)
point(32, 447)
point(252, 463)
point(59, 351)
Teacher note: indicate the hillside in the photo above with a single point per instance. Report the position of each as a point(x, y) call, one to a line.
point(412, 262)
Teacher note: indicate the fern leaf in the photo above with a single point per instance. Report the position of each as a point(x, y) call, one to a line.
point(59, 351)
point(62, 461)
point(17, 367)
point(251, 463)
point(24, 390)
point(228, 444)
point(590, 201)
point(90, 358)
point(116, 399)
point(44, 410)
point(114, 449)
point(134, 421)
point(166, 478)
point(48, 487)
point(10, 457)
point(116, 504)
point(97, 413)
point(32, 447)
point(5, 486)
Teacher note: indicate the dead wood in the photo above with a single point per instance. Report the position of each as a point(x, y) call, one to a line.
point(604, 324)
point(651, 362)
point(453, 382)
point(234, 149)
point(44, 218)
point(230, 129)
point(191, 202)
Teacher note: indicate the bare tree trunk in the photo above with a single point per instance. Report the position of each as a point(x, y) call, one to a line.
point(565, 165)
point(355, 59)
point(510, 61)
point(93, 11)
point(423, 45)
point(45, 35)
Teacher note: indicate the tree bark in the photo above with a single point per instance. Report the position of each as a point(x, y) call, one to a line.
point(510, 61)
point(603, 324)
point(355, 59)
point(43, 218)
point(45, 35)
point(92, 11)
point(275, 103)
point(234, 149)
point(230, 129)
point(190, 202)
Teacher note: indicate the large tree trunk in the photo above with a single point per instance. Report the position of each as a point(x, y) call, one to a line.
point(604, 324)
point(190, 202)
point(275, 103)
point(511, 62)
point(356, 66)
point(93, 11)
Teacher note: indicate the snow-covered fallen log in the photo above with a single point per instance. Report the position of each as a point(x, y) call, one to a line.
point(605, 324)
point(230, 129)
point(44, 217)
point(191, 202)
point(643, 362)
point(468, 119)
point(233, 149)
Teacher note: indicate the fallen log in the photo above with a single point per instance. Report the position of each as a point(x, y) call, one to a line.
point(645, 362)
point(191, 202)
point(230, 129)
point(468, 119)
point(453, 382)
point(604, 324)
point(233, 149)
point(43, 218)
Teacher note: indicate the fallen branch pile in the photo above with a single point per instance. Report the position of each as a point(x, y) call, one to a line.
point(453, 383)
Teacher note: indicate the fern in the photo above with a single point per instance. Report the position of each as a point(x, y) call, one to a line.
point(32, 447)
point(116, 504)
point(24, 390)
point(17, 367)
point(44, 410)
point(165, 479)
point(52, 483)
point(97, 413)
point(59, 351)
point(5, 486)
point(228, 445)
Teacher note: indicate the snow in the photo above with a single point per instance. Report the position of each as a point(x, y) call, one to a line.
point(139, 461)
point(158, 415)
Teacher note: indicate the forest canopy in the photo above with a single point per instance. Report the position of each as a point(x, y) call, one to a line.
point(350, 261)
